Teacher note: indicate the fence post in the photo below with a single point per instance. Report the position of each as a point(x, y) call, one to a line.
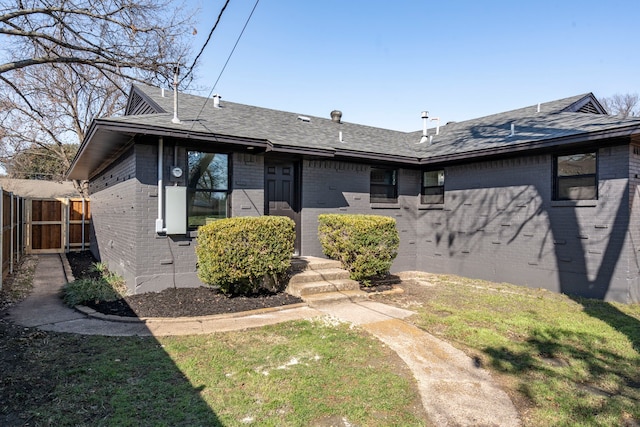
point(1, 236)
point(12, 218)
point(67, 222)
point(83, 221)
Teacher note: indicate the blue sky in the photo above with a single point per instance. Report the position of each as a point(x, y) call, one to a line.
point(384, 62)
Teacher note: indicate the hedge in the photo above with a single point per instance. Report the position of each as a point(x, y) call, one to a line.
point(366, 245)
point(242, 255)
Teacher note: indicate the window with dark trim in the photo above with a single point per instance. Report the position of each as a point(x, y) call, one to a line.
point(207, 187)
point(432, 187)
point(383, 185)
point(575, 176)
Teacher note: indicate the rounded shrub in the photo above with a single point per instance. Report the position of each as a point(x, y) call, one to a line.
point(242, 255)
point(366, 245)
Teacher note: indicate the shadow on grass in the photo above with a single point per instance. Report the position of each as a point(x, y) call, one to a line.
point(64, 379)
point(575, 372)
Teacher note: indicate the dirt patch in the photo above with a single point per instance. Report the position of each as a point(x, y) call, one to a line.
point(177, 302)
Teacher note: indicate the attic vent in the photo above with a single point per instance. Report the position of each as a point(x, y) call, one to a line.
point(588, 108)
point(304, 119)
point(137, 105)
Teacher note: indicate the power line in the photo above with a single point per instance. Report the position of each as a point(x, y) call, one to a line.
point(226, 62)
point(207, 41)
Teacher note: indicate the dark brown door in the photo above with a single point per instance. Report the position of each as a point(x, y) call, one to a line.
point(282, 187)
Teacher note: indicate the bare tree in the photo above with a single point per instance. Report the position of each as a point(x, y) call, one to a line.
point(625, 105)
point(65, 62)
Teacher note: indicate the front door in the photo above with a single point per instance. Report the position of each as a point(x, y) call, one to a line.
point(282, 193)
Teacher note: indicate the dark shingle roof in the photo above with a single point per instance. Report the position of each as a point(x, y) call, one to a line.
point(549, 123)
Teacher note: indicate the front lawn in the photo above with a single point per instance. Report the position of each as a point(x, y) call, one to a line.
point(563, 361)
point(293, 374)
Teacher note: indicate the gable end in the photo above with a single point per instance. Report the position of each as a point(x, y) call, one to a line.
point(589, 105)
point(139, 104)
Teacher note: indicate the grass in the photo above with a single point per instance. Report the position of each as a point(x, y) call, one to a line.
point(293, 374)
point(564, 361)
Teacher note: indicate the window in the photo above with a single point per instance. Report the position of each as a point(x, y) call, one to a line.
point(383, 185)
point(432, 187)
point(575, 177)
point(207, 187)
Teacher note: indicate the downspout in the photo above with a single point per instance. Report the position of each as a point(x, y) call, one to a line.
point(160, 219)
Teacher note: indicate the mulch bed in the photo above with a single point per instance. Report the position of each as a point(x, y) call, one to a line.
point(177, 302)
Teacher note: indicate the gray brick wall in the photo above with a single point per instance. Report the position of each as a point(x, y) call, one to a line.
point(247, 198)
point(340, 187)
point(633, 277)
point(114, 212)
point(499, 223)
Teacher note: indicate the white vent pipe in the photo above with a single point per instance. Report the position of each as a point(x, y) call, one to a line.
point(425, 118)
point(437, 119)
point(160, 219)
point(175, 119)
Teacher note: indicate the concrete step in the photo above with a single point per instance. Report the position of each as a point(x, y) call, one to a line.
point(308, 288)
point(326, 298)
point(308, 276)
point(313, 263)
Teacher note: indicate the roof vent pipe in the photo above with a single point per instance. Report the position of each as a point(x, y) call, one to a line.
point(425, 117)
point(538, 107)
point(175, 119)
point(336, 116)
point(513, 130)
point(216, 101)
point(437, 119)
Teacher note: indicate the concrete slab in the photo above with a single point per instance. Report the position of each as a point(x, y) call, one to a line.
point(363, 312)
point(454, 390)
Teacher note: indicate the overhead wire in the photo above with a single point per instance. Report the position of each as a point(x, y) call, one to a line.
point(226, 63)
point(207, 41)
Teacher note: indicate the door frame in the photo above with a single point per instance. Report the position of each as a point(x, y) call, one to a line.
point(297, 195)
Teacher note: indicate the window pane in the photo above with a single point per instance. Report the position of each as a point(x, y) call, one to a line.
point(433, 178)
point(383, 194)
point(432, 195)
point(577, 188)
point(208, 171)
point(205, 206)
point(577, 164)
point(383, 186)
point(383, 176)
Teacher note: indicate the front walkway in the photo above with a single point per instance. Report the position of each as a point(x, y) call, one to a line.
point(454, 391)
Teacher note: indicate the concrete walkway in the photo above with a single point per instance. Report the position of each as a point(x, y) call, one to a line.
point(454, 391)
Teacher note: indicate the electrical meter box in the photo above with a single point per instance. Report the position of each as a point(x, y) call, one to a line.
point(176, 210)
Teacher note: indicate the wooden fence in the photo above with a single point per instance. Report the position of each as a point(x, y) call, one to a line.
point(35, 226)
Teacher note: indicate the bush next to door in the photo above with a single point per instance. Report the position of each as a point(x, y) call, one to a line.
point(366, 245)
point(241, 255)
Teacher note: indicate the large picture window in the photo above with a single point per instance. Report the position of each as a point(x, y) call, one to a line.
point(383, 185)
point(207, 187)
point(432, 187)
point(576, 177)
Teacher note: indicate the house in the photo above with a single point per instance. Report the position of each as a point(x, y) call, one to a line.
point(542, 196)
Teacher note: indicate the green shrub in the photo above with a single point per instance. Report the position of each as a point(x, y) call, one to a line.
point(241, 255)
point(366, 245)
point(109, 287)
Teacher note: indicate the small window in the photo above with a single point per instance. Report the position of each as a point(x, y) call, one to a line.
point(207, 188)
point(576, 177)
point(383, 185)
point(432, 187)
